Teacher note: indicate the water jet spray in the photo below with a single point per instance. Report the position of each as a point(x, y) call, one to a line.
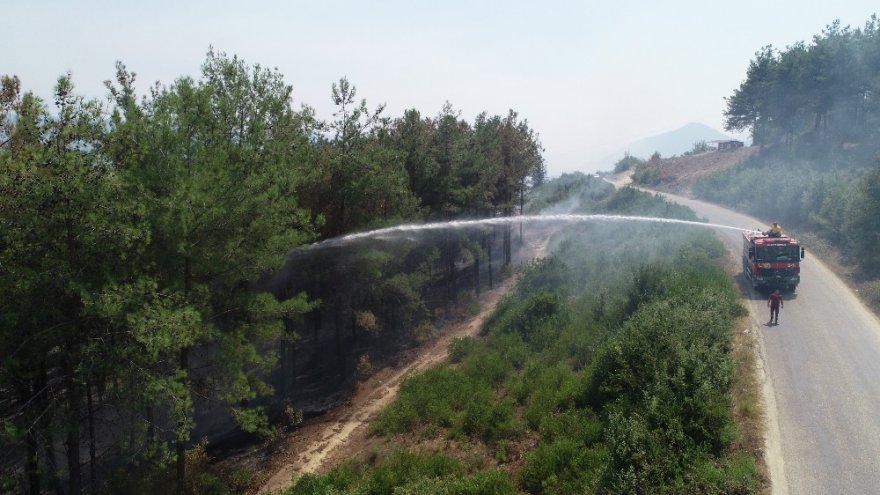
point(411, 228)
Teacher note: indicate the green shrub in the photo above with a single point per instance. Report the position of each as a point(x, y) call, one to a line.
point(735, 475)
point(490, 421)
point(489, 367)
point(482, 483)
point(582, 425)
point(437, 397)
point(400, 470)
point(461, 348)
point(512, 348)
point(548, 274)
point(645, 174)
point(403, 467)
point(563, 466)
point(542, 386)
point(626, 163)
point(527, 316)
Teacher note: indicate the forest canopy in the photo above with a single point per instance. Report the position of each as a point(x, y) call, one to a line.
point(133, 237)
point(825, 90)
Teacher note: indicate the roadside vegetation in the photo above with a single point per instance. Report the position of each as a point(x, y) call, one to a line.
point(814, 110)
point(609, 370)
point(628, 162)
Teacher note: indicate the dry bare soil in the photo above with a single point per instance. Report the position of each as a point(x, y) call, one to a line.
point(678, 174)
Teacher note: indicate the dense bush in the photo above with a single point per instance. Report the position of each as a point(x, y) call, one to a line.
point(482, 483)
point(563, 466)
point(405, 473)
point(627, 162)
point(645, 175)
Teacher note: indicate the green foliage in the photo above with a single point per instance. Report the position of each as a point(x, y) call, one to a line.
point(699, 147)
point(403, 467)
point(645, 175)
point(344, 478)
point(208, 159)
point(437, 396)
point(460, 348)
point(863, 222)
point(253, 421)
point(663, 380)
point(627, 162)
point(405, 473)
point(481, 483)
point(821, 91)
point(461, 400)
point(527, 318)
point(545, 391)
point(570, 193)
point(548, 274)
point(563, 466)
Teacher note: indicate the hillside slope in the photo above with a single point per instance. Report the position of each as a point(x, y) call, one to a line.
point(679, 174)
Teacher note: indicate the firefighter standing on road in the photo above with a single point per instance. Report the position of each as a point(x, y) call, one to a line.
point(775, 302)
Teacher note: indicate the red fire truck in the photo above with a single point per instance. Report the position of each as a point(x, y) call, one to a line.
point(772, 261)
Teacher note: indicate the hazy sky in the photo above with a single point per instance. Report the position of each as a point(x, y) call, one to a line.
point(590, 77)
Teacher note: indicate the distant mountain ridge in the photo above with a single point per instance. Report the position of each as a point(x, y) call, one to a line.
point(669, 143)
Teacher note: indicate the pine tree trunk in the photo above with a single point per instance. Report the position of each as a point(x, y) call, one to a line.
point(51, 460)
point(73, 390)
point(292, 369)
point(32, 464)
point(508, 234)
point(453, 292)
point(45, 424)
point(352, 322)
point(282, 357)
point(489, 253)
point(338, 334)
point(93, 457)
point(182, 440)
point(522, 202)
point(151, 426)
point(73, 444)
point(477, 275)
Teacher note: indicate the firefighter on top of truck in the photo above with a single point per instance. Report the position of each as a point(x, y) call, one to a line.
point(775, 230)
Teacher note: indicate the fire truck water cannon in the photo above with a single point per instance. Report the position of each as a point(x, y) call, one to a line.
point(771, 259)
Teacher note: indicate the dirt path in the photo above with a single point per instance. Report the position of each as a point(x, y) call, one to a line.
point(341, 432)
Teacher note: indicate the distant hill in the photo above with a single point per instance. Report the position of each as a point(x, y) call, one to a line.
point(669, 143)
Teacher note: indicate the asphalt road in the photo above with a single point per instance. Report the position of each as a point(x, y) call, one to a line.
point(821, 368)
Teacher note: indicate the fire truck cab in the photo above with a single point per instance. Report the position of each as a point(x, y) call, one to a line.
point(772, 261)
